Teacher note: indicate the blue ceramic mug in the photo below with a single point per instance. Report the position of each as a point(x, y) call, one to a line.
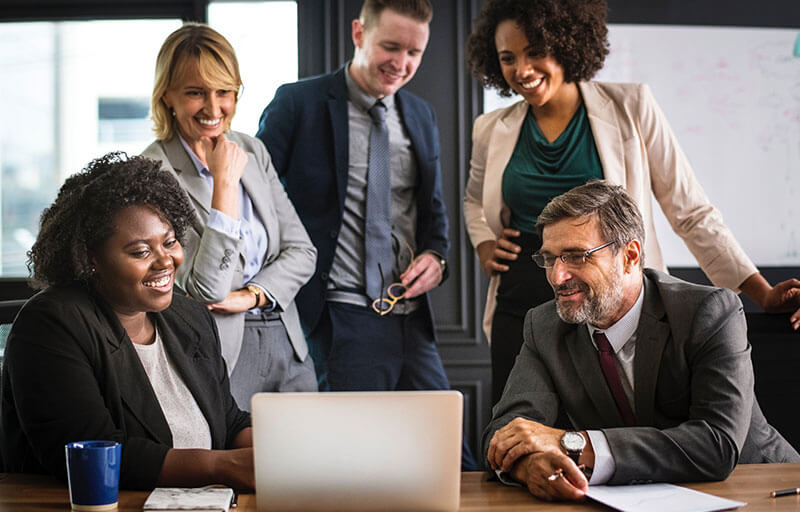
point(93, 474)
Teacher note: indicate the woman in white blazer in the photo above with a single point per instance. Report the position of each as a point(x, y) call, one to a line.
point(247, 252)
point(567, 130)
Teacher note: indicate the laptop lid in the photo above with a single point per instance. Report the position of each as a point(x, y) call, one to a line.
point(397, 450)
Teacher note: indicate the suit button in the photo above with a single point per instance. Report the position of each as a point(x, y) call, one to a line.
point(334, 233)
point(228, 252)
point(226, 259)
point(223, 266)
point(323, 276)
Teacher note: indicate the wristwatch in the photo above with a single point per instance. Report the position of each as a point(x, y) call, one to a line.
point(255, 290)
point(573, 443)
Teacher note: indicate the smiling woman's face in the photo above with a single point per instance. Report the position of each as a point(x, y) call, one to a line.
point(537, 78)
point(136, 266)
point(200, 110)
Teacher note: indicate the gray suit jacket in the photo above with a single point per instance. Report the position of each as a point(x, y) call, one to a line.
point(697, 415)
point(214, 262)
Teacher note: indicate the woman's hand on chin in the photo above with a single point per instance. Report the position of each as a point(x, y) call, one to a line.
point(225, 160)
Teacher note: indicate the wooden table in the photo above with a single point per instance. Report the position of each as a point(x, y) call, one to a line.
point(750, 483)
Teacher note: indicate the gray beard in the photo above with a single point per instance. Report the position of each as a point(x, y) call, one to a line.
point(595, 309)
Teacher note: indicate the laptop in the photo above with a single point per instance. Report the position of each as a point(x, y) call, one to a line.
point(397, 450)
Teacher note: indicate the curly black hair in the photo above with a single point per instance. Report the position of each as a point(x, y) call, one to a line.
point(574, 32)
point(81, 218)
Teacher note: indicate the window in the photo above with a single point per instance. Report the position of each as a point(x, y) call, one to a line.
point(70, 91)
point(264, 36)
point(73, 91)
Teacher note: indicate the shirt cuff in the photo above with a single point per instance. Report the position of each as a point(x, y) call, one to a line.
point(506, 478)
point(273, 304)
point(218, 221)
point(604, 465)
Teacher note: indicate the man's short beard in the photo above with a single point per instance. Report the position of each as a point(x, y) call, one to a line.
point(596, 309)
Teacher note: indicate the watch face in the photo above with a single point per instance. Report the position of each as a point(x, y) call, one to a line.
point(573, 441)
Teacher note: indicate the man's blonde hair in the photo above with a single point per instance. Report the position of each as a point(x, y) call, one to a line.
point(419, 10)
point(194, 44)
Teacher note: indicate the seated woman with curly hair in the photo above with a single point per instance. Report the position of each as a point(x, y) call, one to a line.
point(566, 130)
point(107, 351)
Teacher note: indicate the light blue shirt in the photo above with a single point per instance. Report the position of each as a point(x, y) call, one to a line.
point(249, 227)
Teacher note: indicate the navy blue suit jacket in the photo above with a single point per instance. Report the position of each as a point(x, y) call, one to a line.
point(305, 129)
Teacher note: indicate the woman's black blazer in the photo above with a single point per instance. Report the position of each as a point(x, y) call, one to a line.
point(71, 373)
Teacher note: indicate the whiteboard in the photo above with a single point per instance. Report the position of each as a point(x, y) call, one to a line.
point(732, 97)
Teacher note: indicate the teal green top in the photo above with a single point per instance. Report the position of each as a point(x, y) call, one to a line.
point(540, 170)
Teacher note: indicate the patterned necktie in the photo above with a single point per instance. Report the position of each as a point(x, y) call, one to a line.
point(377, 225)
point(609, 365)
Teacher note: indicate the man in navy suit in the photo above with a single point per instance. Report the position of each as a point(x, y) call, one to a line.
point(319, 132)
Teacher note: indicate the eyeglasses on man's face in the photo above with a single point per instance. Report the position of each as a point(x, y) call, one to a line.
point(573, 259)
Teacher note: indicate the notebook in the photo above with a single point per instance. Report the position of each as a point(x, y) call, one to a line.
point(171, 499)
point(396, 450)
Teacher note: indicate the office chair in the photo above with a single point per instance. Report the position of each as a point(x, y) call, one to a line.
point(8, 311)
point(776, 357)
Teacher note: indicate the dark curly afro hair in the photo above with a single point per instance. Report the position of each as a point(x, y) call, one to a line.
point(82, 217)
point(572, 31)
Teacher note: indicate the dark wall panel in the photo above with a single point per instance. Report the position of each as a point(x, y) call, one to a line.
point(742, 13)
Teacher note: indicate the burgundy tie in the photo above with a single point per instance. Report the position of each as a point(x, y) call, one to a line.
point(609, 365)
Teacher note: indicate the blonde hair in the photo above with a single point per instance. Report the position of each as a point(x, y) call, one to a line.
point(192, 44)
point(418, 10)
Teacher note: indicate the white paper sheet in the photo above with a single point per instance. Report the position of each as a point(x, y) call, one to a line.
point(659, 498)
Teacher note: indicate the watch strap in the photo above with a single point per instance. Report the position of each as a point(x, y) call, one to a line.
point(575, 455)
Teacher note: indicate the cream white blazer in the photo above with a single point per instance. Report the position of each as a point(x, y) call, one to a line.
point(639, 152)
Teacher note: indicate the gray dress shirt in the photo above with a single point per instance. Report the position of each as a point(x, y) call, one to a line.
point(347, 272)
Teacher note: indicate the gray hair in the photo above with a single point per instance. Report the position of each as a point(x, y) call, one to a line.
point(619, 217)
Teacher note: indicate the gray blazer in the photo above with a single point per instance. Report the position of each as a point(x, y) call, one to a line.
point(214, 262)
point(697, 415)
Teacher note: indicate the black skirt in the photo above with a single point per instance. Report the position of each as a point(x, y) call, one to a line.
point(523, 286)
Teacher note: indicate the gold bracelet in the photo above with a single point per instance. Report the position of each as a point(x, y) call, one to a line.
point(256, 291)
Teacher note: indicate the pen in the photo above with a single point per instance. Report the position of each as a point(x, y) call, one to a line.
point(560, 472)
point(784, 492)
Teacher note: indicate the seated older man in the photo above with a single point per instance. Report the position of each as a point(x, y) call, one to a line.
point(629, 375)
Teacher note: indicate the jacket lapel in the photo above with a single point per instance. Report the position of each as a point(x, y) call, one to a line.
point(421, 148)
point(134, 386)
point(182, 164)
point(501, 146)
point(183, 351)
point(651, 338)
point(337, 110)
point(584, 357)
point(606, 130)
